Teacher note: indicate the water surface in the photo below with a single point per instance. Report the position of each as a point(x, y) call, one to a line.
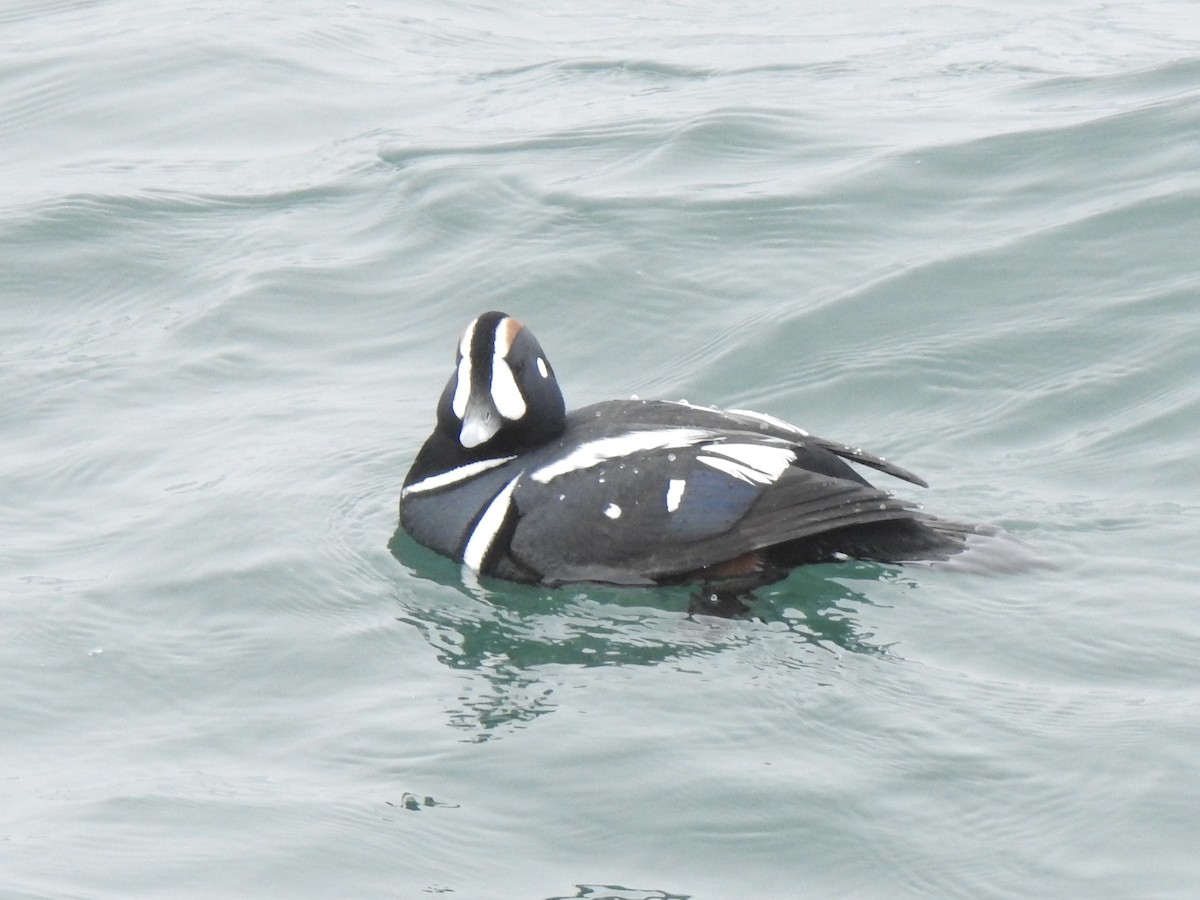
point(237, 245)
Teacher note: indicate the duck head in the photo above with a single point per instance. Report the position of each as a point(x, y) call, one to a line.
point(503, 394)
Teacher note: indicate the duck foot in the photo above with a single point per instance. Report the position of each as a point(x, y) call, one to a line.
point(728, 604)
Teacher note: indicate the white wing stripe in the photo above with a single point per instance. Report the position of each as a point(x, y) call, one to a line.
point(771, 460)
point(601, 450)
point(770, 420)
point(752, 463)
point(735, 469)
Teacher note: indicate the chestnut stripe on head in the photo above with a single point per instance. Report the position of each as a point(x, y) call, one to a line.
point(502, 387)
point(506, 333)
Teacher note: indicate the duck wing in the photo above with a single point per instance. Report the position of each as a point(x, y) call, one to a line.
point(682, 499)
point(681, 414)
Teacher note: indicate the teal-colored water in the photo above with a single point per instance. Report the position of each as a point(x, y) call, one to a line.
point(237, 245)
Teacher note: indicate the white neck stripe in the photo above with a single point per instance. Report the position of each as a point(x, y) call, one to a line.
point(453, 476)
point(490, 523)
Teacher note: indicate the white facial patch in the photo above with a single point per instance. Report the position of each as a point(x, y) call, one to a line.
point(601, 450)
point(464, 344)
point(542, 369)
point(462, 387)
point(675, 488)
point(612, 511)
point(488, 527)
point(505, 392)
point(753, 463)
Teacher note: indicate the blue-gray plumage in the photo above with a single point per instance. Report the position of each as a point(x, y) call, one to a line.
point(640, 492)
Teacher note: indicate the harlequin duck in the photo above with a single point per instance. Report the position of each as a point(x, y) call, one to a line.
point(640, 492)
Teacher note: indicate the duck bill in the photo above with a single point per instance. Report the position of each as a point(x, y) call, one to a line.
point(480, 423)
